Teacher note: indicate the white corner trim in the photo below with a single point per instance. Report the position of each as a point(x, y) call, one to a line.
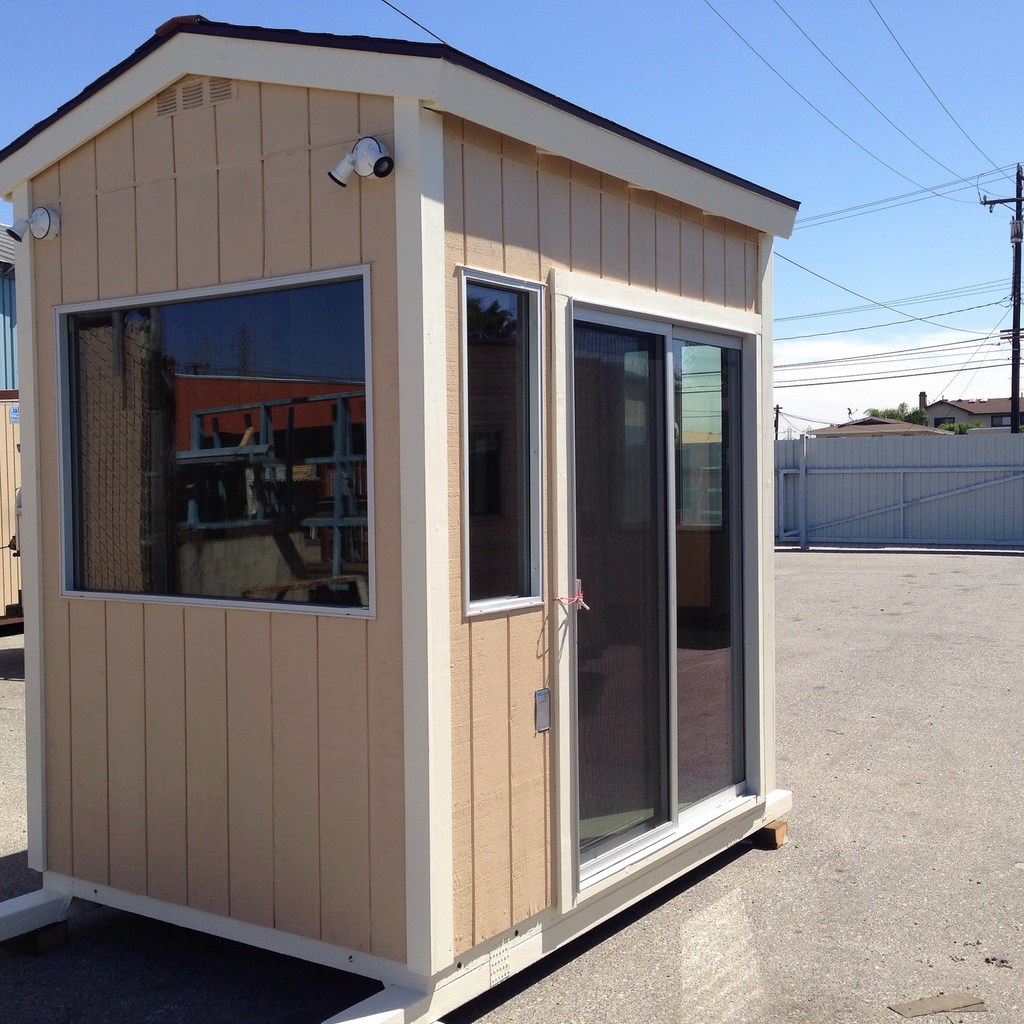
point(31, 554)
point(423, 442)
point(766, 518)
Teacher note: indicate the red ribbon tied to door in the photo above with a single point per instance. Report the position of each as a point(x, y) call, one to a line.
point(577, 598)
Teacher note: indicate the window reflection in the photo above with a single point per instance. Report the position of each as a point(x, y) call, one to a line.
point(220, 447)
point(500, 470)
point(707, 466)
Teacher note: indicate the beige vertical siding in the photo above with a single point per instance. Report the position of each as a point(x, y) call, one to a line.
point(126, 725)
point(166, 764)
point(248, 763)
point(250, 767)
point(511, 210)
point(499, 205)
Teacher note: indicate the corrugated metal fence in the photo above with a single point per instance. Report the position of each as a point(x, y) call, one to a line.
point(956, 491)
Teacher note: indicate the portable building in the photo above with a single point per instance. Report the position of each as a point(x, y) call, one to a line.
point(401, 582)
point(10, 438)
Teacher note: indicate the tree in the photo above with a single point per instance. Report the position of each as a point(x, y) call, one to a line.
point(901, 412)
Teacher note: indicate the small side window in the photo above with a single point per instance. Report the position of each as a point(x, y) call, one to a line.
point(502, 442)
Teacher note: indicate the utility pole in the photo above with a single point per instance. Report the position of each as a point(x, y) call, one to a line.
point(778, 409)
point(1016, 236)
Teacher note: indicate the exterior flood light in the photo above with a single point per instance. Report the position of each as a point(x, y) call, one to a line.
point(43, 223)
point(368, 156)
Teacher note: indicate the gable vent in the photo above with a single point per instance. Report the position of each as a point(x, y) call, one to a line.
point(194, 93)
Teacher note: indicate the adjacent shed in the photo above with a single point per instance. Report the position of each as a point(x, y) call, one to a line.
point(401, 584)
point(10, 438)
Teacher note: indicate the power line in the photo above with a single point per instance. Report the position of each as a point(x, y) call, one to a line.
point(893, 202)
point(891, 323)
point(929, 88)
point(897, 355)
point(803, 419)
point(851, 376)
point(962, 292)
point(398, 10)
point(816, 109)
point(875, 327)
point(964, 367)
point(884, 376)
point(864, 97)
point(884, 305)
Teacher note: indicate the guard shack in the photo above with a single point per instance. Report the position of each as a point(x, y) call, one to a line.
point(397, 555)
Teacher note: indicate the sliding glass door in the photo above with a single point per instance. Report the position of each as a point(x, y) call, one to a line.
point(709, 678)
point(622, 652)
point(659, 682)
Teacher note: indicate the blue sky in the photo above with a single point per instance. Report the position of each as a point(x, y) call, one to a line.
point(673, 70)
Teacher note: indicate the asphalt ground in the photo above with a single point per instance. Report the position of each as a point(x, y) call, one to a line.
point(901, 734)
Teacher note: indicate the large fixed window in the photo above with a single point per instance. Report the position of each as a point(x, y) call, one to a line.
point(502, 441)
point(217, 447)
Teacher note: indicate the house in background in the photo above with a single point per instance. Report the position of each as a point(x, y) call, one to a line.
point(875, 426)
point(988, 414)
point(331, 470)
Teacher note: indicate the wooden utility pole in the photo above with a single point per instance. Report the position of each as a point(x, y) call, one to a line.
point(1016, 236)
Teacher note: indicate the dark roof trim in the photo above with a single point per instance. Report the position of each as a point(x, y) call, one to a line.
point(196, 25)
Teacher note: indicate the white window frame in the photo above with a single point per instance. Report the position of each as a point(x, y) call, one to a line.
point(535, 343)
point(65, 425)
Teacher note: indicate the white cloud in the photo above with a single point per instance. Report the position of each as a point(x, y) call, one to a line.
point(952, 373)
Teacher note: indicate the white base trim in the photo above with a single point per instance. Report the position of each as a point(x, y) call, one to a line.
point(410, 999)
point(23, 914)
point(507, 954)
point(394, 1005)
point(314, 950)
point(777, 803)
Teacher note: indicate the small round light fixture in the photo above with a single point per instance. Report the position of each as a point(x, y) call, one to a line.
point(368, 156)
point(44, 223)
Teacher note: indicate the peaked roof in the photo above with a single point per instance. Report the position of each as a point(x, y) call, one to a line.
point(978, 406)
point(192, 45)
point(876, 425)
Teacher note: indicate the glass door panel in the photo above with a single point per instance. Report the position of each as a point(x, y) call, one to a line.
point(621, 557)
point(706, 429)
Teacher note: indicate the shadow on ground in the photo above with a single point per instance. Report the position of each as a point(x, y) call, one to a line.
point(553, 962)
point(119, 968)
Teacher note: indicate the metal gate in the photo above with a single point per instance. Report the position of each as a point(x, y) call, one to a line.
point(965, 491)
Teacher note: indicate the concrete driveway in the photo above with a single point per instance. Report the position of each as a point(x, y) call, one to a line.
point(901, 734)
